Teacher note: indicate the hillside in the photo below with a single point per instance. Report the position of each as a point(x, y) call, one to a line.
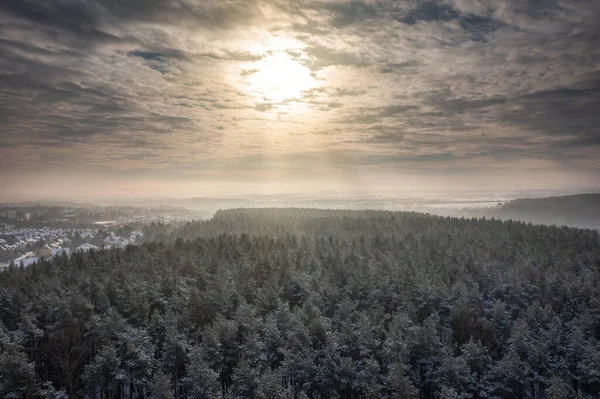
point(581, 210)
point(301, 303)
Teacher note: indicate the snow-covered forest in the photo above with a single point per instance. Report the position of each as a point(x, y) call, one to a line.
point(301, 303)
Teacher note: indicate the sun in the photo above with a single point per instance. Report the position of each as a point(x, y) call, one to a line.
point(279, 78)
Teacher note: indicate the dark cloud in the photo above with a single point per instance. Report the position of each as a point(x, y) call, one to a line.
point(349, 12)
point(562, 111)
point(401, 67)
point(446, 104)
point(88, 17)
point(477, 26)
point(147, 55)
point(386, 135)
point(81, 18)
point(480, 26)
point(429, 11)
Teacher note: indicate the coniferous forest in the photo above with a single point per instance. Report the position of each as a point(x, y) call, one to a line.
point(300, 303)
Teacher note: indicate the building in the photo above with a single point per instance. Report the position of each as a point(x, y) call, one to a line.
point(45, 251)
point(57, 251)
point(86, 247)
point(25, 260)
point(86, 235)
point(48, 251)
point(113, 240)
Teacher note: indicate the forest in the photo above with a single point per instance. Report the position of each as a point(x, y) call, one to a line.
point(581, 210)
point(307, 303)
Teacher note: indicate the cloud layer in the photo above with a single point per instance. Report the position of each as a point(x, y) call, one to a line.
point(474, 90)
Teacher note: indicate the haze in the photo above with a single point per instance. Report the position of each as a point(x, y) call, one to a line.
point(181, 98)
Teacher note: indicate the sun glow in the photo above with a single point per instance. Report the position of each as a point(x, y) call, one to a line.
point(279, 78)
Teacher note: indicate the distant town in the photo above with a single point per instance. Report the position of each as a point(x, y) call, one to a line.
point(26, 245)
point(31, 233)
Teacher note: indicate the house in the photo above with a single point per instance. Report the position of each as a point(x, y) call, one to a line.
point(25, 260)
point(86, 234)
point(45, 251)
point(86, 247)
point(136, 235)
point(57, 251)
point(111, 240)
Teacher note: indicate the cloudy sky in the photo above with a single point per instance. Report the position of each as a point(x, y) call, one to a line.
point(206, 97)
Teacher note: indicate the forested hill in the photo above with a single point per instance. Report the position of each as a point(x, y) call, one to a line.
point(311, 304)
point(581, 210)
point(277, 222)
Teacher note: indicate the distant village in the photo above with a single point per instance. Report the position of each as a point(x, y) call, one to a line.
point(26, 245)
point(29, 233)
point(91, 215)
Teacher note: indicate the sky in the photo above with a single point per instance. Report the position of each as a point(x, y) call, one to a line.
point(226, 97)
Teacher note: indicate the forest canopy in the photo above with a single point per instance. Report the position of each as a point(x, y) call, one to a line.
point(307, 303)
